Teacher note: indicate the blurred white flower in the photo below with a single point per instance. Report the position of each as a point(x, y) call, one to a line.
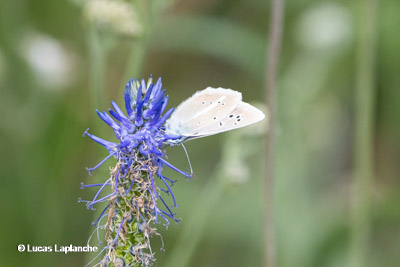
point(239, 146)
point(327, 27)
point(51, 62)
point(237, 171)
point(113, 15)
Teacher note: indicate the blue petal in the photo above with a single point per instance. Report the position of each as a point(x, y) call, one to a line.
point(107, 119)
point(157, 101)
point(162, 120)
point(118, 110)
point(157, 88)
point(107, 144)
point(143, 85)
point(139, 106)
point(147, 96)
point(164, 105)
point(129, 97)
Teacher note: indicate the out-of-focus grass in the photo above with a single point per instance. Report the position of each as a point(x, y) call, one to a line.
point(195, 45)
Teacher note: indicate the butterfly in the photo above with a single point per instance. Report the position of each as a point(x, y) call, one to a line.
point(208, 112)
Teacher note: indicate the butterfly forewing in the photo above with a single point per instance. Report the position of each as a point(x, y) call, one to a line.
point(204, 108)
point(242, 115)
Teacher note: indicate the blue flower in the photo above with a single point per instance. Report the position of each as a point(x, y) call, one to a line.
point(135, 198)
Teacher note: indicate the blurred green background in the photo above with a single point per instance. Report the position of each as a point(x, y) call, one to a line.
point(52, 53)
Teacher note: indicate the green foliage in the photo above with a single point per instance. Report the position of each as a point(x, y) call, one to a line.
point(195, 44)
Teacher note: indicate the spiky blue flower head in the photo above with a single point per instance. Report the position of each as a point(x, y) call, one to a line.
point(136, 181)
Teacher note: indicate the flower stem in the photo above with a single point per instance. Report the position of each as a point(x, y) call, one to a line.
point(141, 44)
point(363, 143)
point(275, 37)
point(97, 69)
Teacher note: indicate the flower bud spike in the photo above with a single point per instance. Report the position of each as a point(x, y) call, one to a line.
point(135, 202)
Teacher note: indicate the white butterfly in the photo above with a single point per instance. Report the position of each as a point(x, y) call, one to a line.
point(210, 111)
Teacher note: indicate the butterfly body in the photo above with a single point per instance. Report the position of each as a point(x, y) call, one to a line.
point(208, 112)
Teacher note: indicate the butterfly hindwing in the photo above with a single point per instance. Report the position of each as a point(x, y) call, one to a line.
point(242, 115)
point(202, 109)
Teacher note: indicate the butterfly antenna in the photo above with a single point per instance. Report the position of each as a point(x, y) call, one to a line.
point(187, 156)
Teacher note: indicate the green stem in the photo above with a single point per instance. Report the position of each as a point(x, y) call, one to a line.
point(275, 38)
point(97, 55)
point(136, 58)
point(194, 225)
point(363, 143)
point(235, 149)
point(149, 13)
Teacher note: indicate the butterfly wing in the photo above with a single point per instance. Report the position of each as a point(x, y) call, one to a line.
point(203, 109)
point(242, 115)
